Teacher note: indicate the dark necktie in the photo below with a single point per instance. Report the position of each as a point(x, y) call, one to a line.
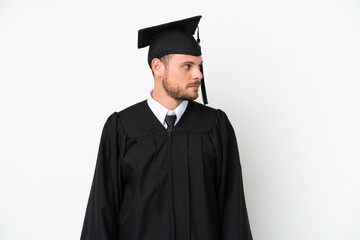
point(170, 120)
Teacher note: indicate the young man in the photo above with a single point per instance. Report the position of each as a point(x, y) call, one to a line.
point(168, 168)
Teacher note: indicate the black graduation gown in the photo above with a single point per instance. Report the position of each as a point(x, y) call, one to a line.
point(152, 185)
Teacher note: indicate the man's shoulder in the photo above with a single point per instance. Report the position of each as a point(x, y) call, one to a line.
point(211, 116)
point(206, 111)
point(128, 112)
point(202, 108)
point(194, 107)
point(199, 118)
point(135, 108)
point(200, 111)
point(138, 119)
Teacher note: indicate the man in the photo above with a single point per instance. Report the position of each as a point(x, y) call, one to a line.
point(168, 168)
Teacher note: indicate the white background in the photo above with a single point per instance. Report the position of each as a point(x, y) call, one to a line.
point(286, 73)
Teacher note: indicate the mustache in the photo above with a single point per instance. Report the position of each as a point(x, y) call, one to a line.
point(194, 84)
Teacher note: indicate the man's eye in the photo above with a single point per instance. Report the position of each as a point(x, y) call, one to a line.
point(187, 66)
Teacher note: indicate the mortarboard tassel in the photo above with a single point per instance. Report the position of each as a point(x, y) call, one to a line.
point(203, 89)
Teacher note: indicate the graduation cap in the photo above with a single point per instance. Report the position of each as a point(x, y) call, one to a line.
point(173, 38)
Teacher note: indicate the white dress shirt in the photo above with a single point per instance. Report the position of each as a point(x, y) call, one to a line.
point(160, 111)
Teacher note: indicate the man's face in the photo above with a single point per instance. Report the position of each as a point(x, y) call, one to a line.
point(182, 77)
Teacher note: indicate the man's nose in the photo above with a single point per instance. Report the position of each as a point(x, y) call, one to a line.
point(197, 74)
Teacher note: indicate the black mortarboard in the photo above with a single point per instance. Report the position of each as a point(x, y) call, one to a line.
point(172, 38)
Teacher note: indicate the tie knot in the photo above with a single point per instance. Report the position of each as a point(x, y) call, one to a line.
point(170, 120)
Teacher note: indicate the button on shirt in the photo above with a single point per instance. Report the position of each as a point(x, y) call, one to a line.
point(160, 111)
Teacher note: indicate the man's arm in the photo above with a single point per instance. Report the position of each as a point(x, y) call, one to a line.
point(101, 218)
point(235, 222)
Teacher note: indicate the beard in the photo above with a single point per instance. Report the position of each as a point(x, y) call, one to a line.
point(176, 92)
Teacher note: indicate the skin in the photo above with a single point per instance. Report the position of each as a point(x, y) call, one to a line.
point(177, 81)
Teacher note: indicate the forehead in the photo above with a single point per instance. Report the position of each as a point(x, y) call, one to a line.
point(181, 58)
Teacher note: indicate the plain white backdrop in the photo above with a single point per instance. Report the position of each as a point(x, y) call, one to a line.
point(286, 72)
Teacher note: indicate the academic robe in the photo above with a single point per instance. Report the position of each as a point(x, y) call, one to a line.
point(150, 184)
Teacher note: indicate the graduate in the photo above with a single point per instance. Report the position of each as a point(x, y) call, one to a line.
point(168, 167)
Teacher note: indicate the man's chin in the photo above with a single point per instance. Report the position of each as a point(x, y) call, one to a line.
point(187, 97)
point(191, 97)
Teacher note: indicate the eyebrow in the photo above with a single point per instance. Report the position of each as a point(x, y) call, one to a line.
point(190, 62)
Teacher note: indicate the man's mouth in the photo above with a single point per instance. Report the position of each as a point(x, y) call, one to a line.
point(193, 85)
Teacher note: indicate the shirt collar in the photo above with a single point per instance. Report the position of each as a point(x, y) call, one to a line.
point(160, 111)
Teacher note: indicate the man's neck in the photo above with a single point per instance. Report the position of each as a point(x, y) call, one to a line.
point(165, 100)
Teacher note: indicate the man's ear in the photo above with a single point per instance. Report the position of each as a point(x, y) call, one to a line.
point(156, 66)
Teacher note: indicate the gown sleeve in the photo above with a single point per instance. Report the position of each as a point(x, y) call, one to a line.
point(231, 200)
point(101, 217)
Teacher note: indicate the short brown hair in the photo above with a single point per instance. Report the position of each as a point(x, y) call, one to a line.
point(165, 60)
